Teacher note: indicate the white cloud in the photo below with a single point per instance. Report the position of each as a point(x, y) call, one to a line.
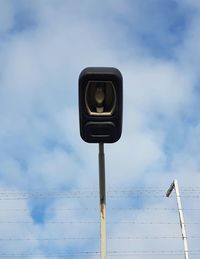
point(39, 134)
point(6, 16)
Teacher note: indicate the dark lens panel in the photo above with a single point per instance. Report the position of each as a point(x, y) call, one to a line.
point(100, 98)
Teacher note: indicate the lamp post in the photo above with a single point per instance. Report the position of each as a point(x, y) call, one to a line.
point(174, 186)
point(100, 117)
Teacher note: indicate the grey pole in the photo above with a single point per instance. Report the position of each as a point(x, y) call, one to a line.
point(175, 186)
point(102, 190)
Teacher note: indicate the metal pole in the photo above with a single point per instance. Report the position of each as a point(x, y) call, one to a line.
point(182, 223)
point(102, 190)
point(175, 186)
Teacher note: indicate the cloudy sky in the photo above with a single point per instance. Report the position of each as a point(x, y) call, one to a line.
point(49, 176)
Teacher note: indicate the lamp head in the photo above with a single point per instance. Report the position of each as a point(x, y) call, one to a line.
point(100, 104)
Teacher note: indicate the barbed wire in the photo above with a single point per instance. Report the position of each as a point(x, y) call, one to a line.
point(93, 238)
point(96, 253)
point(98, 222)
point(117, 190)
point(6, 193)
point(123, 193)
point(120, 209)
point(4, 196)
point(88, 196)
point(109, 188)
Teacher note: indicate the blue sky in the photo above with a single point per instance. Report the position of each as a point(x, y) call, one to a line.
point(44, 44)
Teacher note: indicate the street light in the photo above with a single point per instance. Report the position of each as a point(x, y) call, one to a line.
point(100, 104)
point(174, 186)
point(100, 117)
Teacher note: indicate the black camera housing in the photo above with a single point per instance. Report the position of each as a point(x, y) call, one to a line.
point(100, 104)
